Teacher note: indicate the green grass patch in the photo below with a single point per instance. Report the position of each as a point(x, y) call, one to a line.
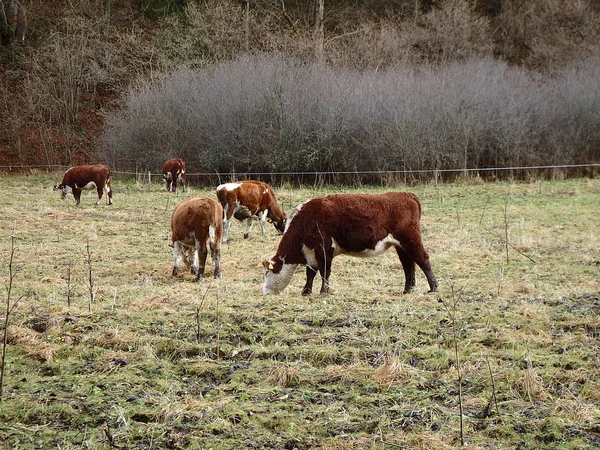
point(162, 362)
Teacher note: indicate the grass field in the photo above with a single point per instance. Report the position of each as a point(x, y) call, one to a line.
point(156, 362)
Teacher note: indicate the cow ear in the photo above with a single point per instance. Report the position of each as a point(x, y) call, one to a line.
point(268, 265)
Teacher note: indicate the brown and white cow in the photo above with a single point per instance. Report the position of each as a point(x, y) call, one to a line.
point(245, 199)
point(173, 171)
point(349, 224)
point(80, 178)
point(196, 225)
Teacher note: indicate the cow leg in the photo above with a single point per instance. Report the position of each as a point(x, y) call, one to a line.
point(325, 268)
point(228, 211)
point(425, 265)
point(77, 195)
point(108, 190)
point(325, 273)
point(178, 256)
point(174, 184)
point(248, 225)
point(408, 264)
point(100, 191)
point(420, 256)
point(215, 254)
point(263, 218)
point(202, 252)
point(311, 272)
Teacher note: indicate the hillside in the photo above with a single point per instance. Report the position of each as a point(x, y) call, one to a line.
point(79, 59)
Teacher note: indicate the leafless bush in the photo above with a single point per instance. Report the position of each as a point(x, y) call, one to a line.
point(271, 113)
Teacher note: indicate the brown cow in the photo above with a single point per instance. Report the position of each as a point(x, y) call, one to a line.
point(349, 224)
point(80, 178)
point(196, 224)
point(246, 199)
point(173, 171)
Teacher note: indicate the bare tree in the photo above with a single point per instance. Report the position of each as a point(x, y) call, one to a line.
point(13, 21)
point(319, 34)
point(246, 24)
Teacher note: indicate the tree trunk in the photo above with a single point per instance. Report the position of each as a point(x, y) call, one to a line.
point(319, 33)
point(247, 25)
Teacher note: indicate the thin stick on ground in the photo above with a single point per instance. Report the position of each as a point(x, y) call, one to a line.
point(451, 310)
point(218, 327)
point(198, 308)
point(69, 286)
point(90, 277)
point(493, 399)
point(506, 227)
point(9, 309)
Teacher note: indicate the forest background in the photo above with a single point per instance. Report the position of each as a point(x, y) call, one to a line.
point(268, 86)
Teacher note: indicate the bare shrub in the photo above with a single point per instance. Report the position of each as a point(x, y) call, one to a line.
point(276, 114)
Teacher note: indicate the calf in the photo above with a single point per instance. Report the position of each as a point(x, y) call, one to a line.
point(173, 171)
point(349, 224)
point(246, 199)
point(196, 224)
point(80, 178)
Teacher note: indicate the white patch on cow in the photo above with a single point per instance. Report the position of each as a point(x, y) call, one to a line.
point(277, 282)
point(228, 186)
point(263, 218)
point(88, 187)
point(181, 253)
point(309, 255)
point(380, 247)
point(211, 234)
point(65, 191)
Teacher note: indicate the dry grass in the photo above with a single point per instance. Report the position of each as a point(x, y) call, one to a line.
point(170, 363)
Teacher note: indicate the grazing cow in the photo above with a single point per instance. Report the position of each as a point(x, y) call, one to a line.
point(246, 199)
point(349, 224)
point(196, 224)
point(80, 178)
point(173, 171)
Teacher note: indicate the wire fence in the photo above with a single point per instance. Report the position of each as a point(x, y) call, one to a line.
point(208, 178)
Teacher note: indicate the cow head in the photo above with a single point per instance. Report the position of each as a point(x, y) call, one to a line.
point(280, 225)
point(277, 275)
point(64, 190)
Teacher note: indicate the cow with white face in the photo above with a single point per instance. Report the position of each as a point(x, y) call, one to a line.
point(173, 171)
point(247, 199)
point(78, 178)
point(196, 226)
point(360, 225)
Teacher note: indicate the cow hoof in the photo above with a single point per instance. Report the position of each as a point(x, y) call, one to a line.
point(245, 236)
point(306, 292)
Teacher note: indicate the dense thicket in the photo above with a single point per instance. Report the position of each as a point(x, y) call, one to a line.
point(276, 114)
point(80, 59)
